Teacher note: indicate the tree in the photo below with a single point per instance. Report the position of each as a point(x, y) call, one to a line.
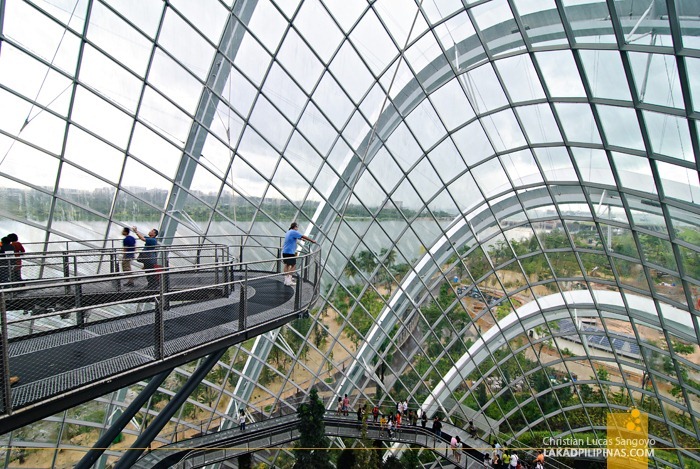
point(366, 261)
point(312, 448)
point(410, 459)
point(350, 269)
point(366, 456)
point(392, 462)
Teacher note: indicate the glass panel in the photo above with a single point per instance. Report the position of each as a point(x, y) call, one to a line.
point(109, 79)
point(621, 127)
point(267, 24)
point(560, 74)
point(162, 115)
point(155, 151)
point(503, 130)
point(473, 143)
point(426, 53)
point(425, 124)
point(284, 93)
point(589, 20)
point(679, 183)
point(447, 160)
point(656, 78)
point(36, 81)
point(693, 67)
point(252, 59)
point(270, 123)
point(118, 39)
point(578, 123)
point(605, 74)
point(452, 105)
point(520, 78)
point(28, 27)
point(351, 73)
point(669, 135)
point(176, 83)
point(385, 170)
point(521, 168)
point(300, 61)
point(43, 130)
point(330, 97)
point(634, 172)
point(208, 16)
point(556, 164)
point(539, 124)
point(101, 118)
point(258, 153)
point(483, 89)
point(491, 178)
point(425, 180)
point(18, 157)
point(81, 149)
point(404, 147)
point(466, 193)
point(495, 20)
point(373, 43)
point(593, 166)
point(186, 45)
point(318, 28)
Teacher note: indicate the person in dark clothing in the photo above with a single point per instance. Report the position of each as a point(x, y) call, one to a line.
point(129, 244)
point(16, 271)
point(437, 427)
point(423, 419)
point(148, 256)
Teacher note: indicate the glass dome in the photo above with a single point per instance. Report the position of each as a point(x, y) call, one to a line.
point(506, 192)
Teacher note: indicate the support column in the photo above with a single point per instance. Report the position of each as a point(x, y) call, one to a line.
point(168, 411)
point(118, 426)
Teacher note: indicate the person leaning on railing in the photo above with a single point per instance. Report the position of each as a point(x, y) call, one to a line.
point(289, 251)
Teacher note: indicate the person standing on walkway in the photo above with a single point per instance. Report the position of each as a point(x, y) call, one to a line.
point(289, 251)
point(241, 420)
point(148, 255)
point(16, 272)
point(129, 244)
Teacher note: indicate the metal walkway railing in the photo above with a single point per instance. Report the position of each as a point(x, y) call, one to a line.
point(87, 335)
point(276, 432)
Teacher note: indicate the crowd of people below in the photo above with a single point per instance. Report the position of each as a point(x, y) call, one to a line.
point(390, 421)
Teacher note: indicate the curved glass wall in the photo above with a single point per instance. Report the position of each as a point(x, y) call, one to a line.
point(506, 192)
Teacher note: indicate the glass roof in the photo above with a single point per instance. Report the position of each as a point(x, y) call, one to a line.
point(506, 192)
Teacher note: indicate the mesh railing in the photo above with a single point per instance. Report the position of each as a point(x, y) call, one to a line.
point(276, 432)
point(78, 319)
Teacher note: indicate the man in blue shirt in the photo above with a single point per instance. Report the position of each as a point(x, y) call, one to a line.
point(148, 256)
point(289, 251)
point(129, 244)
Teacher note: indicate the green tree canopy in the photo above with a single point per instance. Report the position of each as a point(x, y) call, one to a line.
point(312, 448)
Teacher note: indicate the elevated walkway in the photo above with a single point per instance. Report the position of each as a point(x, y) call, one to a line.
point(277, 432)
point(111, 335)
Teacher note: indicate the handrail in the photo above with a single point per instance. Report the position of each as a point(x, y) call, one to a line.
point(117, 242)
point(217, 446)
